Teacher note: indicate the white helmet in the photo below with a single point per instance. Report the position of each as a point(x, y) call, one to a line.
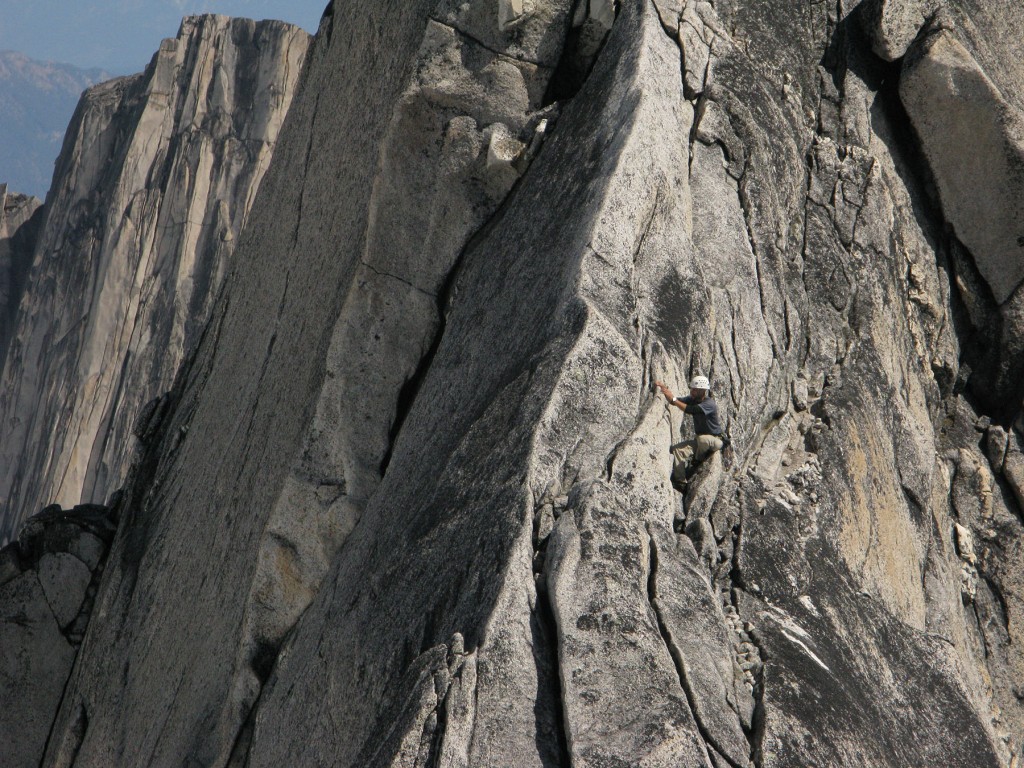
point(700, 382)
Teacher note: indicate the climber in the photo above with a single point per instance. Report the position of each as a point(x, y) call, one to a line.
point(706, 425)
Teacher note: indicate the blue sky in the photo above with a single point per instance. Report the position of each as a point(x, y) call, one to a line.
point(121, 36)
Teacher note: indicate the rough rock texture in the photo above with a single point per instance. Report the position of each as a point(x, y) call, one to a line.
point(961, 87)
point(893, 25)
point(20, 216)
point(963, 121)
point(409, 504)
point(48, 582)
point(155, 180)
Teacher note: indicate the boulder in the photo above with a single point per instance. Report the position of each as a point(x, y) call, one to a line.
point(892, 25)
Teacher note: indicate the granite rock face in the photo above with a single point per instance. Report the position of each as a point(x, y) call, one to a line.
point(894, 24)
point(20, 216)
point(409, 504)
point(155, 180)
point(961, 87)
point(48, 582)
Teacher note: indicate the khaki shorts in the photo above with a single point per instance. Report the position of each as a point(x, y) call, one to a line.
point(693, 451)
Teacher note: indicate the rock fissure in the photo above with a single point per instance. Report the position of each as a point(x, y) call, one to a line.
point(481, 44)
point(751, 660)
point(850, 323)
point(561, 728)
point(410, 388)
point(585, 38)
point(264, 368)
point(699, 107)
point(546, 655)
point(305, 168)
point(751, 656)
point(162, 731)
point(638, 249)
point(996, 589)
point(754, 251)
point(708, 738)
point(67, 754)
point(238, 757)
point(403, 281)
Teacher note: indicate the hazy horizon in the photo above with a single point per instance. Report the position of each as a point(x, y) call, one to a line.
point(121, 36)
point(100, 39)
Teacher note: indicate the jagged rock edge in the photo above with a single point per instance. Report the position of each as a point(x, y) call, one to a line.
point(678, 660)
point(409, 391)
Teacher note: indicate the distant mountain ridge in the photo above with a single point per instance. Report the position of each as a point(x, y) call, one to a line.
point(37, 99)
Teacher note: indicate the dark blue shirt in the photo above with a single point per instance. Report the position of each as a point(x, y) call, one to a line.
point(705, 415)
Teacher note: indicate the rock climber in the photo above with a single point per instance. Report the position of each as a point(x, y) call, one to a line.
point(707, 427)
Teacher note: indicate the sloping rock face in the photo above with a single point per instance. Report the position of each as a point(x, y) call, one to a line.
point(962, 89)
point(155, 180)
point(20, 216)
point(409, 504)
point(48, 582)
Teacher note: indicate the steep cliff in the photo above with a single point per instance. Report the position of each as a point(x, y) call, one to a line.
point(409, 503)
point(153, 185)
point(20, 216)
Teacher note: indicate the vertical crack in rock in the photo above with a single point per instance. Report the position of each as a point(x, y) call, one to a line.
point(305, 168)
point(65, 754)
point(545, 628)
point(443, 93)
point(77, 734)
point(680, 664)
point(409, 390)
point(445, 296)
point(444, 299)
point(755, 734)
point(550, 676)
point(586, 34)
point(747, 215)
point(239, 755)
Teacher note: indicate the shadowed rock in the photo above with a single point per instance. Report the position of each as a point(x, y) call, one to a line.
point(48, 581)
point(152, 187)
point(20, 217)
point(410, 504)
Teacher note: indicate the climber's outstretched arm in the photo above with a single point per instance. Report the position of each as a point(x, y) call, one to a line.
point(678, 402)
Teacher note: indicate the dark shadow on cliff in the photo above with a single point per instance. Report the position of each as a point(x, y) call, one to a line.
point(980, 337)
point(436, 543)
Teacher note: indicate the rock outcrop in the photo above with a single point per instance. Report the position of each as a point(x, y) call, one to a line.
point(20, 216)
point(409, 503)
point(961, 87)
point(48, 582)
point(154, 183)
